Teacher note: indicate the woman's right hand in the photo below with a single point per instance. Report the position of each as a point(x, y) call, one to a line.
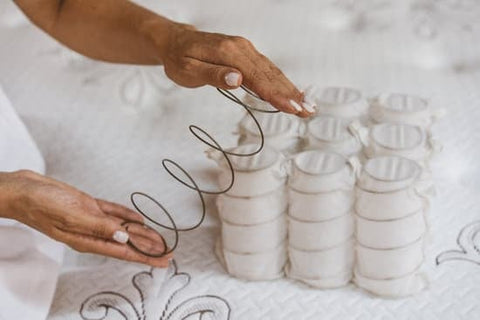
point(71, 216)
point(194, 58)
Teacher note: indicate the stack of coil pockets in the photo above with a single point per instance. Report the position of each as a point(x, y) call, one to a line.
point(252, 244)
point(320, 222)
point(393, 194)
point(390, 227)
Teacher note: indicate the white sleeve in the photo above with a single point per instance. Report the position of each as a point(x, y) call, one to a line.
point(30, 262)
point(17, 148)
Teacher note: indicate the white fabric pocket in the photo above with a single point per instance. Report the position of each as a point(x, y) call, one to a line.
point(404, 108)
point(384, 264)
point(317, 171)
point(255, 175)
point(323, 263)
point(394, 288)
point(389, 205)
point(395, 139)
point(332, 134)
point(305, 235)
point(319, 206)
point(281, 131)
point(254, 238)
point(341, 102)
point(252, 210)
point(390, 233)
point(388, 173)
point(267, 265)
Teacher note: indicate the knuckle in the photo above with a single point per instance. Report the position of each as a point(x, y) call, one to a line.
point(227, 45)
point(99, 231)
point(24, 173)
point(272, 94)
point(276, 71)
point(81, 249)
point(254, 74)
point(187, 66)
point(234, 43)
point(67, 222)
point(243, 42)
point(270, 76)
point(78, 247)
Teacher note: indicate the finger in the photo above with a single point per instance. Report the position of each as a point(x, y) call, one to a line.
point(196, 73)
point(119, 211)
point(146, 239)
point(85, 243)
point(94, 224)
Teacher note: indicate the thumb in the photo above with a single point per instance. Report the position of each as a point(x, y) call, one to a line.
point(219, 76)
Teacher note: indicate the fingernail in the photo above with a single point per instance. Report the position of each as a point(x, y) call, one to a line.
point(308, 107)
point(232, 79)
point(296, 105)
point(120, 236)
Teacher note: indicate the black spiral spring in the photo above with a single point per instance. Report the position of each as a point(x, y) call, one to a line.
point(188, 181)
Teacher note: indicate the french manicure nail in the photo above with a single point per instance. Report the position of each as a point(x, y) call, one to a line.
point(309, 107)
point(232, 79)
point(120, 236)
point(296, 105)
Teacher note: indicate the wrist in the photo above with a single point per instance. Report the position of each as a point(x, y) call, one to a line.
point(8, 195)
point(161, 32)
point(157, 31)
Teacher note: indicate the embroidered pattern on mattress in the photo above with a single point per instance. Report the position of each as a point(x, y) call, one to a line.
point(157, 300)
point(469, 242)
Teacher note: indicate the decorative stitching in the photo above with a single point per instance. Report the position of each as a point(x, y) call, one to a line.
point(469, 250)
point(217, 307)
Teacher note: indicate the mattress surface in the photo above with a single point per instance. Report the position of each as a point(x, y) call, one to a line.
point(105, 129)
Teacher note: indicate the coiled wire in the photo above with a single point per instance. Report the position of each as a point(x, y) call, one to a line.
point(189, 182)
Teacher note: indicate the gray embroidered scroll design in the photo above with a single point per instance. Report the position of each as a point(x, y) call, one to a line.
point(468, 241)
point(157, 300)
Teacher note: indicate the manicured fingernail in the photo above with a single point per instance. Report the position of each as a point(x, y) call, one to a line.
point(120, 236)
point(232, 79)
point(308, 107)
point(296, 105)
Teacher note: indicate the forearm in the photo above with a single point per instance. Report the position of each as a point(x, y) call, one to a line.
point(109, 30)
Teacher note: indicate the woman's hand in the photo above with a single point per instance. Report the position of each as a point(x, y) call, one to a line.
point(193, 58)
point(70, 216)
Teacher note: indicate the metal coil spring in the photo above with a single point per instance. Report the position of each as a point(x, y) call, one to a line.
point(189, 182)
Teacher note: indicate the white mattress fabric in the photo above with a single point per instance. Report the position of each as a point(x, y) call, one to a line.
point(105, 129)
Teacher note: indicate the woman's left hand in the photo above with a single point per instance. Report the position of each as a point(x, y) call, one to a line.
point(73, 217)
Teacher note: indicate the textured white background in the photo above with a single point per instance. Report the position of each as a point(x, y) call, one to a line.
point(97, 141)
